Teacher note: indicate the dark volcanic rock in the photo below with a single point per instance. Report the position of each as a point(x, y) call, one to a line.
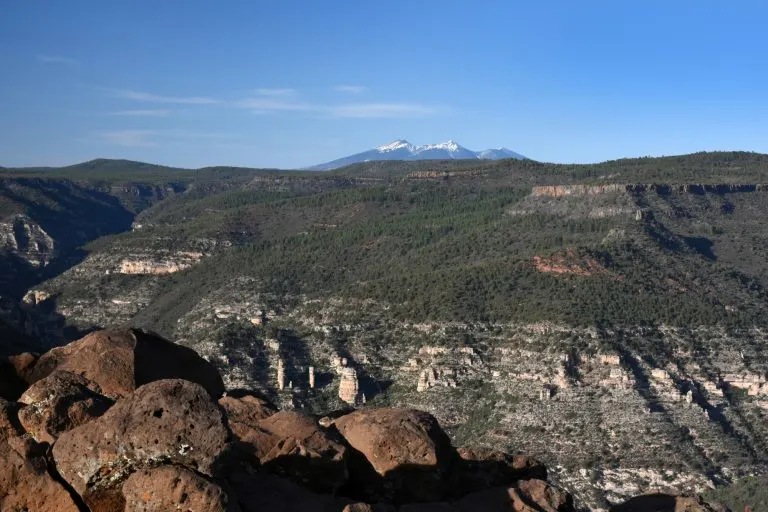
point(666, 503)
point(25, 484)
point(294, 445)
point(121, 360)
point(264, 492)
point(475, 469)
point(525, 496)
point(15, 374)
point(407, 450)
point(245, 409)
point(60, 402)
point(164, 422)
point(168, 488)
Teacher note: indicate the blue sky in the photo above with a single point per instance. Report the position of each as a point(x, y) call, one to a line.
point(290, 84)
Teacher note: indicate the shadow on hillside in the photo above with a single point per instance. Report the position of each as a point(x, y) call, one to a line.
point(701, 245)
point(34, 327)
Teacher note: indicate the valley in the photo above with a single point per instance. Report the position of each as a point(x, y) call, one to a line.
point(608, 319)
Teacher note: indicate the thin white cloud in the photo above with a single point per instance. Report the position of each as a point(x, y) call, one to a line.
point(57, 59)
point(141, 113)
point(269, 101)
point(381, 110)
point(354, 110)
point(262, 104)
point(350, 89)
point(276, 92)
point(152, 138)
point(129, 94)
point(129, 138)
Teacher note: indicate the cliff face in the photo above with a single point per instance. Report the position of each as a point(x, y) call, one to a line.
point(23, 237)
point(685, 188)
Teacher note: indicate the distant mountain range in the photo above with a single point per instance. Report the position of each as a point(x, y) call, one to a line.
point(404, 150)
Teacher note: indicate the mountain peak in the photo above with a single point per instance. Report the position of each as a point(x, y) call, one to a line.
point(395, 145)
point(401, 149)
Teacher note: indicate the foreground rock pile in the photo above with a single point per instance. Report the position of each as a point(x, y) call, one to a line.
point(123, 420)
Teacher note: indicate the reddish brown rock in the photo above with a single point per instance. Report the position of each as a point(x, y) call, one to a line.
point(15, 374)
point(666, 503)
point(60, 402)
point(25, 483)
point(525, 496)
point(245, 409)
point(173, 488)
point(475, 469)
point(121, 360)
point(295, 446)
point(167, 421)
point(407, 450)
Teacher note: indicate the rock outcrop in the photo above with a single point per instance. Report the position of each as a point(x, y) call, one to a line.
point(294, 445)
point(121, 360)
point(25, 483)
point(60, 402)
point(168, 488)
point(15, 375)
point(666, 503)
point(405, 448)
point(348, 385)
point(167, 421)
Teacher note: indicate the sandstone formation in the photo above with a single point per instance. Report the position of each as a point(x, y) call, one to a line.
point(121, 360)
point(151, 264)
point(348, 385)
point(23, 236)
point(58, 403)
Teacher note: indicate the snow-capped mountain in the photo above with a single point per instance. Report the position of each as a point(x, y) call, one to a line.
point(404, 150)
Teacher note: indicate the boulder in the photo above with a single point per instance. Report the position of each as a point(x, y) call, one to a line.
point(121, 360)
point(15, 374)
point(293, 445)
point(666, 503)
point(163, 422)
point(475, 469)
point(262, 492)
point(406, 450)
point(245, 409)
point(525, 496)
point(25, 483)
point(173, 488)
point(58, 403)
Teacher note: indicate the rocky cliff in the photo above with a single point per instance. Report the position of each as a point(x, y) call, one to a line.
point(123, 420)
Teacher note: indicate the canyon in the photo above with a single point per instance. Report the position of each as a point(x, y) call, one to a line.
point(610, 328)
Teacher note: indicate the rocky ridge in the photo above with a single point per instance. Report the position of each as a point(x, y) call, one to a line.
point(158, 442)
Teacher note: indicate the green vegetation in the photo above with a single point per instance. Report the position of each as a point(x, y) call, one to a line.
point(747, 492)
point(461, 240)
